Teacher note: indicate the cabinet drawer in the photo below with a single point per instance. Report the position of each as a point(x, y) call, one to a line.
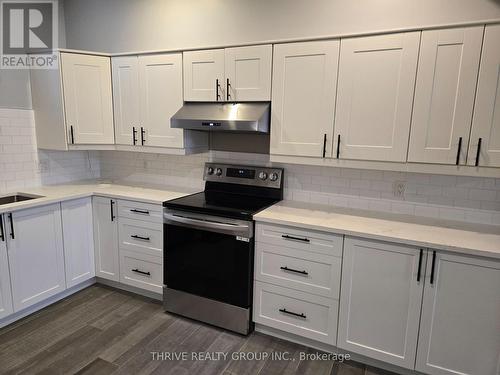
point(298, 269)
point(141, 236)
point(300, 239)
point(142, 211)
point(142, 271)
point(296, 312)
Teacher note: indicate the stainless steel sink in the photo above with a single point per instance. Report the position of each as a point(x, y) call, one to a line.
point(17, 198)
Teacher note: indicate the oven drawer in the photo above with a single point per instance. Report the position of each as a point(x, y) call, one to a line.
point(141, 236)
point(296, 312)
point(142, 271)
point(141, 211)
point(302, 270)
point(301, 239)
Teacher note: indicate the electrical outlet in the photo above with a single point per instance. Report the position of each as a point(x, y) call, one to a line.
point(399, 188)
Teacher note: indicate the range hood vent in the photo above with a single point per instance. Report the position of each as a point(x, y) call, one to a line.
point(229, 117)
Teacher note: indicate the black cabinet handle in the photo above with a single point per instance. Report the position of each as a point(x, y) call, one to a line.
point(338, 146)
point(287, 237)
point(420, 264)
point(112, 203)
point(478, 154)
point(217, 95)
point(324, 145)
point(142, 272)
point(11, 226)
point(2, 233)
point(228, 85)
point(285, 268)
point(459, 150)
point(72, 135)
point(134, 132)
point(285, 311)
point(144, 212)
point(140, 237)
point(143, 132)
point(433, 265)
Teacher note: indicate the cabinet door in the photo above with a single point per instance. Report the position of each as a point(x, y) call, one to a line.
point(486, 123)
point(88, 100)
point(303, 97)
point(375, 93)
point(78, 241)
point(460, 323)
point(107, 261)
point(160, 82)
point(126, 99)
point(5, 292)
point(204, 75)
point(36, 255)
point(248, 73)
point(444, 95)
point(380, 300)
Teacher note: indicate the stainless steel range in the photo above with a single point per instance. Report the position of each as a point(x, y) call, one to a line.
point(209, 245)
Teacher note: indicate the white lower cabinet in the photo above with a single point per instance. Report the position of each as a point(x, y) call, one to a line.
point(5, 292)
point(36, 254)
point(141, 270)
point(380, 300)
point(460, 323)
point(107, 264)
point(78, 241)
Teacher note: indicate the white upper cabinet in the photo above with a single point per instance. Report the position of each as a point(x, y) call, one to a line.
point(486, 121)
point(88, 100)
point(36, 255)
point(5, 292)
point(375, 93)
point(380, 301)
point(248, 73)
point(303, 98)
point(204, 75)
point(160, 88)
point(125, 99)
point(460, 322)
point(444, 95)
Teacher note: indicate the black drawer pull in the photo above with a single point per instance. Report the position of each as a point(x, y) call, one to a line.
point(285, 311)
point(142, 272)
point(2, 233)
point(287, 237)
point(433, 265)
point(420, 264)
point(140, 237)
point(144, 212)
point(292, 270)
point(11, 226)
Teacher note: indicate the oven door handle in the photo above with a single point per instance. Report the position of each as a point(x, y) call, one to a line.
point(228, 228)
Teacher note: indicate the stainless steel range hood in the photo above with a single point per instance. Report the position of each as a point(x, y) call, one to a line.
point(229, 117)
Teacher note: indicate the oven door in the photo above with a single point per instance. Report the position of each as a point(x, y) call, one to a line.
point(209, 256)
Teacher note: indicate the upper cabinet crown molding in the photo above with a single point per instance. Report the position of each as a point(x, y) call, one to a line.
point(231, 74)
point(374, 99)
point(484, 145)
point(303, 98)
point(444, 95)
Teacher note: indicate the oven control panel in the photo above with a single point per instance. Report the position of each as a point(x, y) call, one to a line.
point(244, 175)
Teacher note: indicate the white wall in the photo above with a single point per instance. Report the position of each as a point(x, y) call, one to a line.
point(138, 25)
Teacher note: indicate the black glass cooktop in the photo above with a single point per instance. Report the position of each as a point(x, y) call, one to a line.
point(222, 204)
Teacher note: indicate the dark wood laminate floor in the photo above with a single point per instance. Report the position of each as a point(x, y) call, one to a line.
point(104, 331)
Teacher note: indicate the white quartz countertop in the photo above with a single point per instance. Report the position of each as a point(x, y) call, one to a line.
point(472, 239)
point(59, 193)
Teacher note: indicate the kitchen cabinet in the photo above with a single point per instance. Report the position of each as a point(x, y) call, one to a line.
point(88, 100)
point(374, 96)
point(380, 300)
point(106, 238)
point(231, 74)
point(444, 95)
point(5, 291)
point(303, 97)
point(36, 254)
point(484, 144)
point(78, 241)
point(460, 322)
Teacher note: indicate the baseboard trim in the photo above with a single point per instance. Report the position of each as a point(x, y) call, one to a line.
point(131, 289)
